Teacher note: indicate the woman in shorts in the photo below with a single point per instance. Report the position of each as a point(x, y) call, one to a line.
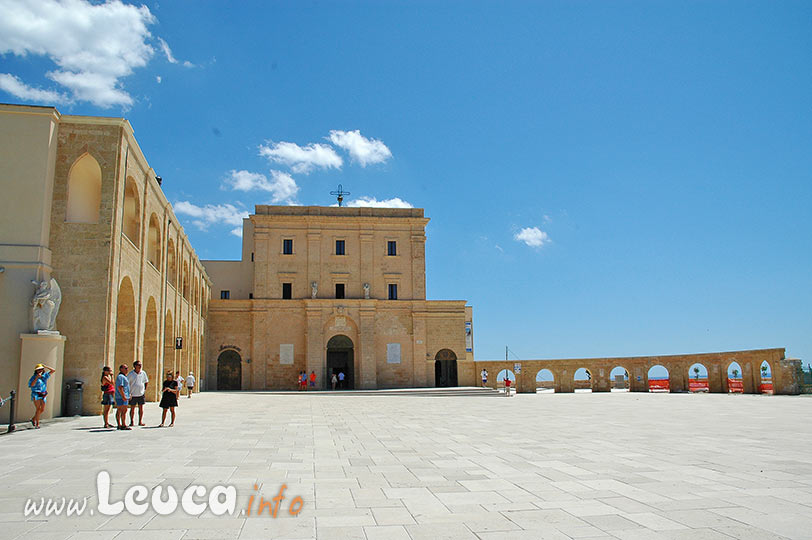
point(108, 389)
point(38, 383)
point(169, 398)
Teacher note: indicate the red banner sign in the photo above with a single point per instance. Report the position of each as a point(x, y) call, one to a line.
point(698, 385)
point(659, 385)
point(735, 385)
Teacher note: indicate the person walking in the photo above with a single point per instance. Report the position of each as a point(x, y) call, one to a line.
point(313, 380)
point(190, 384)
point(180, 380)
point(334, 380)
point(38, 383)
point(122, 397)
point(169, 398)
point(341, 380)
point(108, 389)
point(138, 390)
point(484, 375)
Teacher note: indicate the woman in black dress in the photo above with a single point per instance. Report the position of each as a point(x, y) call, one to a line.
point(169, 400)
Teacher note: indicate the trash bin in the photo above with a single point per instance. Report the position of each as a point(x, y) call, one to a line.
point(73, 397)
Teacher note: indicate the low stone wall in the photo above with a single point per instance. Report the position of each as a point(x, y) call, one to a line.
point(784, 371)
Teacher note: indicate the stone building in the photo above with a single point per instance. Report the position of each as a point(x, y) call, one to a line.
point(82, 205)
point(333, 290)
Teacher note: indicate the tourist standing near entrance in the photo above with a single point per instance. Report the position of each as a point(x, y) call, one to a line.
point(138, 389)
point(312, 379)
point(334, 380)
point(38, 383)
point(108, 389)
point(484, 375)
point(507, 386)
point(190, 384)
point(169, 399)
point(122, 397)
point(341, 379)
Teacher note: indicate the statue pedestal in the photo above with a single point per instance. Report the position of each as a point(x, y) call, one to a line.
point(48, 349)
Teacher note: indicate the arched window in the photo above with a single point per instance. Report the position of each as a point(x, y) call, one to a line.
point(84, 191)
point(171, 264)
point(132, 212)
point(185, 282)
point(154, 242)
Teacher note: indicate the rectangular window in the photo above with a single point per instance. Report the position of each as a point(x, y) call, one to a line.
point(391, 248)
point(287, 291)
point(339, 247)
point(224, 295)
point(250, 296)
point(252, 256)
point(287, 246)
point(339, 290)
point(393, 291)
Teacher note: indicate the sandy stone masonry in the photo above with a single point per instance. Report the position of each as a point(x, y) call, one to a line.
point(131, 281)
point(784, 371)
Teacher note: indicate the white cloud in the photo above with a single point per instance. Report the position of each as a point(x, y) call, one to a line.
point(532, 236)
point(237, 232)
point(92, 45)
point(375, 203)
point(362, 150)
point(167, 51)
point(281, 185)
point(188, 64)
point(17, 88)
point(158, 79)
point(203, 216)
point(301, 159)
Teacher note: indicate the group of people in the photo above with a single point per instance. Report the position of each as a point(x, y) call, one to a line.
point(304, 380)
point(128, 391)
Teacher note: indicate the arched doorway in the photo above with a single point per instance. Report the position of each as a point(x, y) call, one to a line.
point(766, 378)
point(229, 371)
point(151, 348)
point(735, 383)
point(545, 381)
point(445, 368)
point(340, 360)
point(125, 325)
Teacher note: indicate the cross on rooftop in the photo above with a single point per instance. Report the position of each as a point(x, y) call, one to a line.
point(339, 193)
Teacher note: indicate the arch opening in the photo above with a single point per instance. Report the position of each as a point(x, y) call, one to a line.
point(766, 381)
point(619, 379)
point(169, 345)
point(582, 380)
point(445, 368)
point(84, 191)
point(659, 380)
point(151, 353)
point(171, 264)
point(698, 378)
point(229, 370)
point(735, 382)
point(154, 242)
point(545, 381)
point(340, 360)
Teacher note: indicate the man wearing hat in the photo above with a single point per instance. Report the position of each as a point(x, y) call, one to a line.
point(190, 384)
point(38, 383)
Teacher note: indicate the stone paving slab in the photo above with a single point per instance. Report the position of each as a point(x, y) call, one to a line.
point(368, 466)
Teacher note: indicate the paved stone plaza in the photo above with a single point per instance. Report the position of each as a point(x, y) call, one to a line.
point(619, 465)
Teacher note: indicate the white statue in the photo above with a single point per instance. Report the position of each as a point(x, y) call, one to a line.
point(366, 291)
point(45, 304)
point(314, 289)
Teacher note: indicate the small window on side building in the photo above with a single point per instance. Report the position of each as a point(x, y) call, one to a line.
point(391, 248)
point(287, 291)
point(287, 246)
point(225, 295)
point(339, 247)
point(393, 291)
point(339, 290)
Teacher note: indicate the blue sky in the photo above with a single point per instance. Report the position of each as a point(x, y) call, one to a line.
point(656, 153)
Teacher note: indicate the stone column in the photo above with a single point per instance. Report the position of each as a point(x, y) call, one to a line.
point(367, 257)
point(368, 376)
point(48, 349)
point(314, 264)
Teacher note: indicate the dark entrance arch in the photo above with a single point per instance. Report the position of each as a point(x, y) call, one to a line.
point(445, 368)
point(229, 371)
point(340, 360)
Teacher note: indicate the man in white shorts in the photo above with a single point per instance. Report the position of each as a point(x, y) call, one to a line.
point(190, 384)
